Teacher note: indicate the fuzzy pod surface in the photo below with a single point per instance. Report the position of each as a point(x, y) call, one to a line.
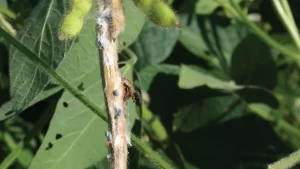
point(158, 12)
point(73, 22)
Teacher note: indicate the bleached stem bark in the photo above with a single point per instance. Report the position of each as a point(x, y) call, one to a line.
point(110, 22)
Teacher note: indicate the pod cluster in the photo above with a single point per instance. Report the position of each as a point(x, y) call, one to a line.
point(73, 22)
point(158, 12)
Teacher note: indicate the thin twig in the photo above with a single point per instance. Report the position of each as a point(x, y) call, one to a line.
point(110, 23)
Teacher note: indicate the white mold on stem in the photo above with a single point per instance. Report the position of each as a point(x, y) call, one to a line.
point(110, 23)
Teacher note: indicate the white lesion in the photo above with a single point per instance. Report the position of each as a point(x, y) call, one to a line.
point(103, 21)
point(109, 59)
point(118, 141)
point(117, 134)
point(128, 140)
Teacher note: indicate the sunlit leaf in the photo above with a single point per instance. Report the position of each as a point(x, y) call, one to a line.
point(191, 77)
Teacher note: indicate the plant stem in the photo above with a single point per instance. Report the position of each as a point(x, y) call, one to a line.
point(147, 152)
point(265, 37)
point(84, 100)
point(34, 131)
point(286, 162)
point(286, 18)
point(110, 23)
point(155, 126)
point(7, 26)
point(288, 11)
point(8, 13)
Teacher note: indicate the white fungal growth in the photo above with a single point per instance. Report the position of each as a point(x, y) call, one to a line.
point(108, 60)
point(103, 20)
point(118, 141)
point(108, 29)
point(119, 80)
point(128, 139)
point(108, 135)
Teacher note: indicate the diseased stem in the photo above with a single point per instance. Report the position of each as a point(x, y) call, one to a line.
point(137, 143)
point(110, 23)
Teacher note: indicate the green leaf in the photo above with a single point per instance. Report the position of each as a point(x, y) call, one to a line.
point(74, 130)
point(191, 77)
point(195, 44)
point(41, 36)
point(4, 81)
point(83, 99)
point(148, 74)
point(6, 109)
point(81, 131)
point(212, 38)
point(135, 20)
point(252, 63)
point(71, 59)
point(100, 164)
point(205, 7)
point(154, 45)
point(208, 111)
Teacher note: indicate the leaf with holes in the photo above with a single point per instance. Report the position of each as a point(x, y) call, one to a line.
point(75, 130)
point(72, 59)
point(6, 109)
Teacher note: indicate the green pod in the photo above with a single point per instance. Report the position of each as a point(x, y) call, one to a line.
point(73, 22)
point(81, 7)
point(163, 15)
point(144, 5)
point(70, 27)
point(158, 12)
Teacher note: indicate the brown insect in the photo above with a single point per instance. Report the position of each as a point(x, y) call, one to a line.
point(131, 92)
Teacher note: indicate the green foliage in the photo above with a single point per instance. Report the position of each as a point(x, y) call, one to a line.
point(211, 110)
point(65, 57)
point(154, 45)
point(71, 127)
point(190, 78)
point(220, 92)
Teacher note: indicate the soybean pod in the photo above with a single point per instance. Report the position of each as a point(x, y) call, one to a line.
point(73, 22)
point(158, 12)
